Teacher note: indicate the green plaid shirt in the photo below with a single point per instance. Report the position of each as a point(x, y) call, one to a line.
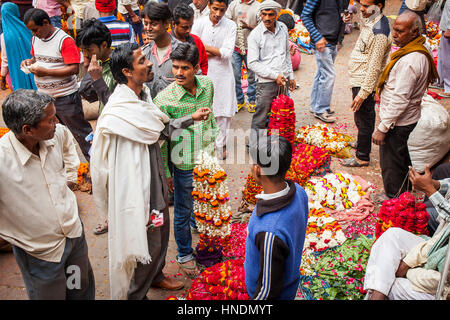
point(176, 102)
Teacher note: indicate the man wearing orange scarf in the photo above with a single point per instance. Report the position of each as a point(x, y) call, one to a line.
point(401, 88)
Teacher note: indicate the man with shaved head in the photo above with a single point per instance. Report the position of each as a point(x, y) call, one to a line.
point(401, 88)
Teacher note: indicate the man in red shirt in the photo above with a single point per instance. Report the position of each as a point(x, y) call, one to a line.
point(182, 21)
point(55, 65)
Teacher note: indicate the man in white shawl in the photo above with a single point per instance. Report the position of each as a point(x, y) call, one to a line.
point(128, 180)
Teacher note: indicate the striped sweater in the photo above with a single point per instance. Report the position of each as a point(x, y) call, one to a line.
point(121, 32)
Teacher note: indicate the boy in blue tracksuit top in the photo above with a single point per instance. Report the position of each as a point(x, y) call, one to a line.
point(277, 227)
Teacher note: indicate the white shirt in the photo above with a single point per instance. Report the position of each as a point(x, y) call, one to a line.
point(198, 14)
point(122, 3)
point(268, 53)
point(37, 209)
point(221, 36)
point(270, 196)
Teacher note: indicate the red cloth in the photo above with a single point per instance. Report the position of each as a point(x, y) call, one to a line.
point(202, 57)
point(105, 5)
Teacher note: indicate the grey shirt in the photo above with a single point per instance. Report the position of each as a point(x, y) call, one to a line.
point(268, 53)
point(162, 70)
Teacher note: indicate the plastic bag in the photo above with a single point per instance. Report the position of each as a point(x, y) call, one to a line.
point(429, 141)
point(435, 12)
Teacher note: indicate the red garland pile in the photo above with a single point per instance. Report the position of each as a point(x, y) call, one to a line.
point(282, 117)
point(223, 281)
point(403, 212)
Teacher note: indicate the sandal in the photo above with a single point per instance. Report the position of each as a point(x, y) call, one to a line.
point(251, 107)
point(353, 163)
point(353, 144)
point(101, 228)
point(187, 269)
point(325, 117)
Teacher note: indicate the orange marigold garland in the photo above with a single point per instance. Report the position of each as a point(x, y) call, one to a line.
point(84, 182)
point(211, 209)
point(3, 131)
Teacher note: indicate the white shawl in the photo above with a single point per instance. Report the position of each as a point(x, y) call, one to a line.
point(120, 171)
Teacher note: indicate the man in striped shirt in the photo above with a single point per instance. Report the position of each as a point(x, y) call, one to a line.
point(121, 32)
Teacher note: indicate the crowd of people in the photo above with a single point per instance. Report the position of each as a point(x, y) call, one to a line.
point(169, 79)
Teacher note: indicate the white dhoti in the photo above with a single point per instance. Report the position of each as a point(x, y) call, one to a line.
point(385, 257)
point(224, 124)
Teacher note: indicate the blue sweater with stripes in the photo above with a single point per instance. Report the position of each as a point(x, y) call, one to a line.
point(276, 234)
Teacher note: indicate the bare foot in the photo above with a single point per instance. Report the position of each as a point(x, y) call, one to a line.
point(101, 228)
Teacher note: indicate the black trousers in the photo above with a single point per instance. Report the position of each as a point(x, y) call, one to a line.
point(69, 111)
point(395, 160)
point(365, 122)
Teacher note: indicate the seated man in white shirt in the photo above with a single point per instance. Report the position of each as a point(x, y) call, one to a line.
point(404, 266)
point(38, 211)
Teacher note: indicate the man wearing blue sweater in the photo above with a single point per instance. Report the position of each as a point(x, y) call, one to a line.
point(277, 227)
point(324, 21)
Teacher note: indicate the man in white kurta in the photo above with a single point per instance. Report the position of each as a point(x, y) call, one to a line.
point(218, 34)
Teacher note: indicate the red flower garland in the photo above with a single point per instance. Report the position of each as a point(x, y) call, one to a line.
point(282, 117)
point(403, 212)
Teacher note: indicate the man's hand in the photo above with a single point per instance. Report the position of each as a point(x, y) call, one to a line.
point(245, 25)
point(378, 137)
point(135, 19)
point(26, 63)
point(425, 182)
point(170, 184)
point(38, 71)
point(447, 34)
point(356, 103)
point(402, 270)
point(95, 69)
point(3, 83)
point(320, 45)
point(292, 85)
point(346, 18)
point(201, 114)
point(281, 80)
point(71, 185)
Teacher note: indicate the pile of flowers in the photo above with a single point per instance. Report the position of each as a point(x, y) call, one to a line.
point(322, 232)
point(403, 212)
point(3, 131)
point(236, 242)
point(320, 135)
point(211, 209)
point(336, 191)
point(84, 182)
point(223, 281)
point(338, 273)
point(433, 36)
point(305, 160)
point(282, 117)
point(251, 189)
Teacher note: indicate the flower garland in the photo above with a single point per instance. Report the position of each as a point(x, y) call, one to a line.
point(84, 182)
point(211, 209)
point(3, 131)
point(433, 35)
point(321, 135)
point(403, 212)
point(336, 191)
point(282, 117)
point(223, 281)
point(240, 39)
point(322, 232)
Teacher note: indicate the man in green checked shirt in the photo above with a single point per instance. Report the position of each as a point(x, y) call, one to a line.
point(183, 97)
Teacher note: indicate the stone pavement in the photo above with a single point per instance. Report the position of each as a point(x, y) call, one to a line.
point(11, 284)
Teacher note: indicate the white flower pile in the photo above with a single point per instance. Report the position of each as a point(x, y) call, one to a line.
point(216, 222)
point(337, 191)
point(320, 135)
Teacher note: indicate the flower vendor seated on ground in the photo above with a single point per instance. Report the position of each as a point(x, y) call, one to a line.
point(128, 131)
point(277, 227)
point(98, 83)
point(188, 94)
point(39, 213)
point(404, 266)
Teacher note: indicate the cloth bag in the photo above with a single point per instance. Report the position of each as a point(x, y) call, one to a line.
point(435, 12)
point(416, 5)
point(429, 141)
